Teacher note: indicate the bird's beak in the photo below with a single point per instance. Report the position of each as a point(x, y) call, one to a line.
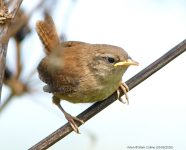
point(127, 63)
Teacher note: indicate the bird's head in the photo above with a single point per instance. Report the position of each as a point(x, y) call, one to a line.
point(109, 61)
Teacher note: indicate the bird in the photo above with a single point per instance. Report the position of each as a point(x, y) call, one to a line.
point(80, 72)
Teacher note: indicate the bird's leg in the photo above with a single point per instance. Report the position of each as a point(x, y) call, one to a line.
point(120, 99)
point(68, 116)
point(125, 89)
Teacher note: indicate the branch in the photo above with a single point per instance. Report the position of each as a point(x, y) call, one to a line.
point(22, 22)
point(97, 107)
point(6, 102)
point(12, 7)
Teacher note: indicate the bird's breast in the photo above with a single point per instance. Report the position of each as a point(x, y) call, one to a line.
point(89, 91)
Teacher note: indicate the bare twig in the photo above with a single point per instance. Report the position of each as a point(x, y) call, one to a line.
point(12, 7)
point(6, 101)
point(97, 107)
point(21, 23)
point(19, 66)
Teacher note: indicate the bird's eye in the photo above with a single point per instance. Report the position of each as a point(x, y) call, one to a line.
point(111, 60)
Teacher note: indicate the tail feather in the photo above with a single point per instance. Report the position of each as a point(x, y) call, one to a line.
point(47, 33)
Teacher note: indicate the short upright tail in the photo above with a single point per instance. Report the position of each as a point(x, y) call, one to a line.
point(47, 33)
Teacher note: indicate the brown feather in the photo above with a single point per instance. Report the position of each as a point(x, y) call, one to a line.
point(48, 34)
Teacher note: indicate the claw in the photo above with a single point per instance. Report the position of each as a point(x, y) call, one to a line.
point(127, 88)
point(72, 123)
point(70, 119)
point(79, 120)
point(124, 88)
point(118, 93)
point(121, 100)
point(74, 127)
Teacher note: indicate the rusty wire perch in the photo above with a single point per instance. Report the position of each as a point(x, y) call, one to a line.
point(97, 107)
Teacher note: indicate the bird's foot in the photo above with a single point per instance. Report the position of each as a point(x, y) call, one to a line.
point(125, 89)
point(72, 123)
point(70, 119)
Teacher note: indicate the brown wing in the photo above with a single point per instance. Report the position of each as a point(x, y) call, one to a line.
point(47, 33)
point(56, 78)
point(63, 68)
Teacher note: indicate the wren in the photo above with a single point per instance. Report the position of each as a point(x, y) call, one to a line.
point(79, 72)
